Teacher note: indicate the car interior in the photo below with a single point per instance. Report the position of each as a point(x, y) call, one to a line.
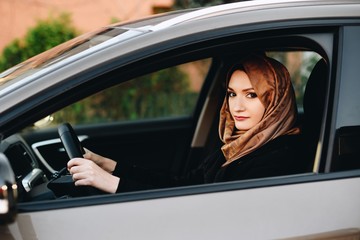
point(172, 144)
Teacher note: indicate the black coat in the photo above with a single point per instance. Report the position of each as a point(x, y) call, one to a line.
point(278, 157)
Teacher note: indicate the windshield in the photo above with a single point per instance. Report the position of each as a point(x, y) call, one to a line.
point(77, 45)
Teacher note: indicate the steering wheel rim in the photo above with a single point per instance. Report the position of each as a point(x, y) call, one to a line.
point(70, 141)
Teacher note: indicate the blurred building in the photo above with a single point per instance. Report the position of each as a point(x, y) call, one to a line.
point(17, 16)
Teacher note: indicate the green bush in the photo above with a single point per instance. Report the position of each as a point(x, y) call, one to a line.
point(164, 93)
point(46, 34)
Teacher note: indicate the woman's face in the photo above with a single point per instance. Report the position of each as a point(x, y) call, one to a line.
point(245, 106)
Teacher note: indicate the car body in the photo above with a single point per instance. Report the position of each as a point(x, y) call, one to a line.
point(323, 202)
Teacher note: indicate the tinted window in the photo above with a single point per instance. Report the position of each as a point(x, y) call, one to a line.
point(347, 137)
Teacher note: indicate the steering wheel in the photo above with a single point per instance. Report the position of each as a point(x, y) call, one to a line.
point(70, 141)
point(64, 185)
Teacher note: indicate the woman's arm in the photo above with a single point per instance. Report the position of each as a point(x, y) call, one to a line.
point(112, 177)
point(105, 163)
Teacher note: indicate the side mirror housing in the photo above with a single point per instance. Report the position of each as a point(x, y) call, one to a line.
point(8, 192)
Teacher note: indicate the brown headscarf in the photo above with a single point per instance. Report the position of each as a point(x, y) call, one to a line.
point(271, 82)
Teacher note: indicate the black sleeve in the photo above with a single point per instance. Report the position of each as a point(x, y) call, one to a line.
point(277, 158)
point(134, 178)
point(283, 158)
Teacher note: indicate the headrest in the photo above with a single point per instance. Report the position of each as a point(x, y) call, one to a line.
point(315, 94)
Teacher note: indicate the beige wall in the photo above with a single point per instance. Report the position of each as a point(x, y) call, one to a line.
point(18, 15)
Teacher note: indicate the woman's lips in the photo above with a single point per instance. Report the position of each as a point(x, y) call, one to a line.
point(240, 118)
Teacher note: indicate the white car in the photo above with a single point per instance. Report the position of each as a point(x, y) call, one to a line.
point(149, 91)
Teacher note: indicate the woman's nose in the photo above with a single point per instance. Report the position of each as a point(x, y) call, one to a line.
point(239, 105)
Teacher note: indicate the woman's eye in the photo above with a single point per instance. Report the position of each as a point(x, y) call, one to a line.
point(231, 94)
point(251, 95)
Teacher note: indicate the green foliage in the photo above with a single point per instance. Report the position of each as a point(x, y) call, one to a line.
point(161, 94)
point(114, 20)
point(45, 35)
point(300, 74)
point(12, 55)
point(183, 4)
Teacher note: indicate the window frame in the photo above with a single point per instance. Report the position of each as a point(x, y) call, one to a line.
point(228, 186)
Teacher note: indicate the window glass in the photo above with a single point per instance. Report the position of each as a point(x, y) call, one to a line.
point(347, 138)
point(300, 65)
point(169, 92)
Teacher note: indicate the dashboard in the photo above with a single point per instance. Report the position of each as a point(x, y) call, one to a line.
point(30, 178)
point(35, 165)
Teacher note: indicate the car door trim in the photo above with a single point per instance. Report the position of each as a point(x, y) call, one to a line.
point(185, 191)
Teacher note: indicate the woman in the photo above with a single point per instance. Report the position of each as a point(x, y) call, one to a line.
point(257, 127)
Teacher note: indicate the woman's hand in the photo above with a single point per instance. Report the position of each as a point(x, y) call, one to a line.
point(89, 173)
point(105, 163)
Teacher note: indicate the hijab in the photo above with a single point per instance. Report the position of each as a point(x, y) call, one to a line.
point(272, 84)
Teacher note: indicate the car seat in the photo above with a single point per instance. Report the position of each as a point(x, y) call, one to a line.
point(314, 105)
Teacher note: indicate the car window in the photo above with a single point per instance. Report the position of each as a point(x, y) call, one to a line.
point(170, 92)
point(347, 136)
point(300, 64)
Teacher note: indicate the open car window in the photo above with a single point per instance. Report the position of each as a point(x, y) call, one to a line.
point(170, 92)
point(167, 93)
point(147, 109)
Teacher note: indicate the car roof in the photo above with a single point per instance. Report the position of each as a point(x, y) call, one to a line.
point(246, 6)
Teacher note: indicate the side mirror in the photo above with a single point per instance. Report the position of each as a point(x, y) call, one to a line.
point(8, 191)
